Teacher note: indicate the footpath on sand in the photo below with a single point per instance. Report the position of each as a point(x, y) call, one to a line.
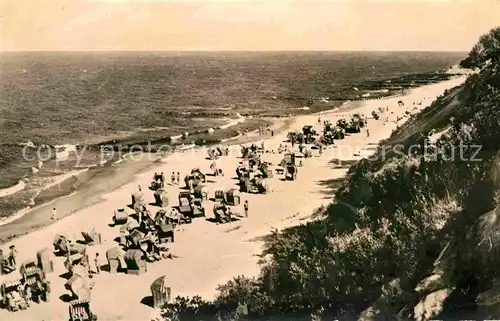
point(206, 254)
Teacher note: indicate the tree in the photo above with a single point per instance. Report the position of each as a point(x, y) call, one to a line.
point(487, 50)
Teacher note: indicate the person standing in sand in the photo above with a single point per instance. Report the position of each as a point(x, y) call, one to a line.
point(54, 214)
point(12, 256)
point(367, 133)
point(96, 262)
point(245, 206)
point(173, 178)
point(178, 178)
point(27, 290)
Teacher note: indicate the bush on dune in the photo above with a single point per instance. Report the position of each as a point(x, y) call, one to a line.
point(394, 223)
point(485, 51)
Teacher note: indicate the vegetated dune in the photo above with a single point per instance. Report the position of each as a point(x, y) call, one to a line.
point(411, 235)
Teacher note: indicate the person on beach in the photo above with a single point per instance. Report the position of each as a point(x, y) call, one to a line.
point(12, 256)
point(367, 133)
point(54, 214)
point(178, 178)
point(173, 178)
point(96, 262)
point(139, 188)
point(245, 206)
point(27, 290)
point(272, 132)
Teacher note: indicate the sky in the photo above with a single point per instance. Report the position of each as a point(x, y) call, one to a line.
point(158, 25)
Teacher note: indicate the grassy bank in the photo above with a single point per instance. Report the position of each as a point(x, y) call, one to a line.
point(410, 237)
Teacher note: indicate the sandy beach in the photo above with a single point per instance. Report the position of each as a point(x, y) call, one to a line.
point(206, 254)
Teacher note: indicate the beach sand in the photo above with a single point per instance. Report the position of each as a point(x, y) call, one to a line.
point(206, 254)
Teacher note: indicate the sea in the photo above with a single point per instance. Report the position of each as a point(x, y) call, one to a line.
point(87, 98)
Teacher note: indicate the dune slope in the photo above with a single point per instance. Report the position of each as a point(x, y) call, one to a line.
point(412, 233)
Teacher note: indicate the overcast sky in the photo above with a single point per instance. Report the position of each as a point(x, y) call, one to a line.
point(245, 25)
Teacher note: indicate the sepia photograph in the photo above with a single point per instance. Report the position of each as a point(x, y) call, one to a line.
point(220, 160)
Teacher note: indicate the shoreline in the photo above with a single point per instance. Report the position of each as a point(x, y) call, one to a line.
point(59, 179)
point(4, 192)
point(202, 120)
point(22, 204)
point(131, 169)
point(206, 254)
point(68, 148)
point(130, 165)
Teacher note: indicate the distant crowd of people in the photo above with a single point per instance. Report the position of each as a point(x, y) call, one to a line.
point(265, 130)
